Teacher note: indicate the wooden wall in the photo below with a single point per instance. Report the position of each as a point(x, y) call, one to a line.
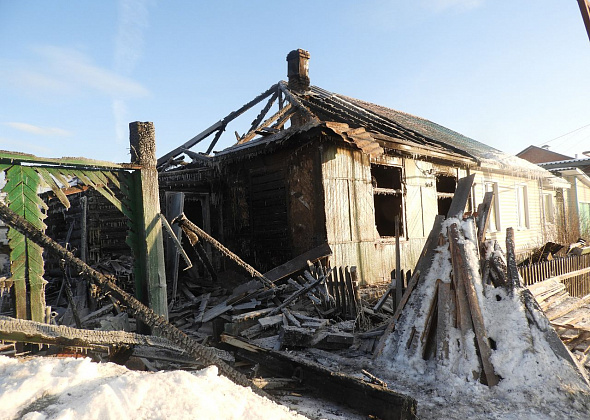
point(350, 212)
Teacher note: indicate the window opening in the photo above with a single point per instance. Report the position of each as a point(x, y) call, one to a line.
point(445, 190)
point(388, 198)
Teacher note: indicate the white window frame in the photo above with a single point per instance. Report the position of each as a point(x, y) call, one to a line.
point(583, 217)
point(494, 225)
point(522, 206)
point(549, 208)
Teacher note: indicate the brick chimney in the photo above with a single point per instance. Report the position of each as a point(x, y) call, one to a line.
point(298, 70)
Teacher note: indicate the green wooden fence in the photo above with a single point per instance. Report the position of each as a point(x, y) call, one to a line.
point(26, 175)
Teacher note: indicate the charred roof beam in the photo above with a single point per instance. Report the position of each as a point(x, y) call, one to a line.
point(218, 126)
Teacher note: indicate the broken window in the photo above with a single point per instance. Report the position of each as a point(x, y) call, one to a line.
point(388, 198)
point(445, 190)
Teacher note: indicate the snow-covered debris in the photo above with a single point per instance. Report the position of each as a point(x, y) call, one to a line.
point(535, 373)
point(52, 388)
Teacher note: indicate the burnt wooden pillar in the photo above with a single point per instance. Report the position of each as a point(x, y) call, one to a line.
point(151, 284)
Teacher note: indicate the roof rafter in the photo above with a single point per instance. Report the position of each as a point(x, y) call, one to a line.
point(218, 126)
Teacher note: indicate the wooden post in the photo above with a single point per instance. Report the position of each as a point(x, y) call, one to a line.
point(83, 230)
point(174, 207)
point(150, 246)
point(399, 282)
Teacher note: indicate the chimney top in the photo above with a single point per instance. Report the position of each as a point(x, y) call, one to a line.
point(298, 70)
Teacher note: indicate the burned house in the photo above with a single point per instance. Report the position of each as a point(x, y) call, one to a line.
point(348, 173)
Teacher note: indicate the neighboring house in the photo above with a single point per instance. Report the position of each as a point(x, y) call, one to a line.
point(536, 154)
point(343, 173)
point(573, 205)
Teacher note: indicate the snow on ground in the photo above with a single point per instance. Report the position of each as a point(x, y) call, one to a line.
point(52, 388)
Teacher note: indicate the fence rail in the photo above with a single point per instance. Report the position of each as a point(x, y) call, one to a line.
point(577, 285)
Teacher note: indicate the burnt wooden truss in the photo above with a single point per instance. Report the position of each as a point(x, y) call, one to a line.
point(313, 106)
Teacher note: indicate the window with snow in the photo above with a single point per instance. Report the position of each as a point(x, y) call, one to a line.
point(388, 199)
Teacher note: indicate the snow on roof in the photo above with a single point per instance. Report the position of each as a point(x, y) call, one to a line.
point(487, 155)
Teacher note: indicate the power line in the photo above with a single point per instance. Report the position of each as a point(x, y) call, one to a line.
point(563, 135)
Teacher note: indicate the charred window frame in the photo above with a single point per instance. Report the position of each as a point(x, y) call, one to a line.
point(446, 185)
point(388, 197)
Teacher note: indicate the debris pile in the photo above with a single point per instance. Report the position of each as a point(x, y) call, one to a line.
point(469, 315)
point(570, 316)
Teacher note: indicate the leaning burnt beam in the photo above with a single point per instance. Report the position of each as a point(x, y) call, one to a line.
point(264, 111)
point(190, 228)
point(373, 400)
point(24, 331)
point(107, 285)
point(219, 126)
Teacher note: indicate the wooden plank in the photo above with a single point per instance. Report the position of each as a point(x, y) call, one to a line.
point(270, 321)
point(466, 278)
point(174, 207)
point(202, 307)
point(17, 157)
point(298, 263)
point(336, 286)
point(399, 283)
point(585, 10)
point(370, 399)
point(483, 217)
point(446, 315)
point(190, 229)
point(342, 287)
point(542, 323)
point(428, 336)
point(351, 294)
point(513, 279)
point(461, 196)
point(217, 310)
point(24, 331)
point(570, 274)
point(411, 285)
point(296, 294)
point(559, 312)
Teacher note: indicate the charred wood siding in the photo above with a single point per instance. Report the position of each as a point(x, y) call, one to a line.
point(104, 234)
point(269, 216)
point(306, 200)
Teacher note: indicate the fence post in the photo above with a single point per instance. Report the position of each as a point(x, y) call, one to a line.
point(151, 286)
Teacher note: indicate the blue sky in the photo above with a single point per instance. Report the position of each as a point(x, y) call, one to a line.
point(73, 74)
